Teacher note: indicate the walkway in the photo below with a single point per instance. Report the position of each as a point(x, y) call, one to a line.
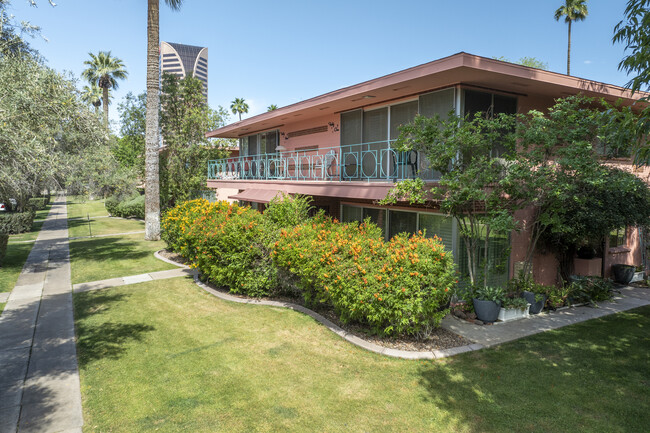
point(39, 376)
point(499, 333)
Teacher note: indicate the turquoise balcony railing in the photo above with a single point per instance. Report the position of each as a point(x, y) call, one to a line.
point(375, 161)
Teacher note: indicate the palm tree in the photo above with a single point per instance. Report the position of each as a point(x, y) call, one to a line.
point(152, 139)
point(104, 71)
point(272, 107)
point(239, 106)
point(572, 10)
point(92, 95)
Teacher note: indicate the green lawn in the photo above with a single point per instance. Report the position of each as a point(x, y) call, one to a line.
point(2, 307)
point(42, 214)
point(28, 236)
point(167, 356)
point(109, 257)
point(13, 264)
point(79, 206)
point(102, 226)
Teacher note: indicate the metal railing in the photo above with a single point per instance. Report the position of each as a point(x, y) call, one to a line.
point(374, 161)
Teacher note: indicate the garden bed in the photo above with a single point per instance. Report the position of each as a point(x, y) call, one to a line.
point(438, 339)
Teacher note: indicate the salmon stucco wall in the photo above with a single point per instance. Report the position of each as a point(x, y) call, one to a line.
point(330, 137)
point(545, 266)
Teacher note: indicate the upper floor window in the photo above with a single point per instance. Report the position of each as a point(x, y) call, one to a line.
point(259, 144)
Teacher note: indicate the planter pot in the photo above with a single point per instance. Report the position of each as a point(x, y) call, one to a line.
point(506, 315)
point(535, 307)
point(486, 311)
point(638, 276)
point(623, 273)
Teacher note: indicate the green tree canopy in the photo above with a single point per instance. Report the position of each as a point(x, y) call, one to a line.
point(184, 119)
point(239, 106)
point(129, 148)
point(104, 70)
point(43, 123)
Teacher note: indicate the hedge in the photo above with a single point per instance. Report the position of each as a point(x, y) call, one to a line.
point(129, 208)
point(37, 203)
point(16, 222)
point(397, 287)
point(4, 238)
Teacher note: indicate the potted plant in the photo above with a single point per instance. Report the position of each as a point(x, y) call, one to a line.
point(639, 274)
point(535, 295)
point(487, 302)
point(513, 309)
point(623, 273)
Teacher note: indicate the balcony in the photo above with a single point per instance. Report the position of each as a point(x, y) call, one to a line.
point(370, 162)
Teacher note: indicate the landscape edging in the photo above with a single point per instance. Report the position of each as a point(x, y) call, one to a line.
point(351, 338)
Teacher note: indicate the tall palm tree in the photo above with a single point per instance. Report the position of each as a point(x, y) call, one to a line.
point(92, 95)
point(272, 107)
point(104, 71)
point(152, 139)
point(572, 10)
point(239, 106)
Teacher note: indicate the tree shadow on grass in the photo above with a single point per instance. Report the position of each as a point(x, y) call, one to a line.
point(108, 248)
point(587, 377)
point(97, 339)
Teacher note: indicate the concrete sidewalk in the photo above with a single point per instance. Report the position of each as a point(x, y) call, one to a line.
point(498, 333)
point(39, 375)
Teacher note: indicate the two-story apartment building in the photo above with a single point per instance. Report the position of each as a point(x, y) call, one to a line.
point(337, 147)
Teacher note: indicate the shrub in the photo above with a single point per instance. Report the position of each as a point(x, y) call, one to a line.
point(16, 222)
point(37, 203)
point(129, 208)
point(224, 241)
point(396, 287)
point(4, 238)
point(399, 287)
point(590, 290)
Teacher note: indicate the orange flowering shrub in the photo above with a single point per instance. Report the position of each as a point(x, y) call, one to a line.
point(396, 287)
point(223, 240)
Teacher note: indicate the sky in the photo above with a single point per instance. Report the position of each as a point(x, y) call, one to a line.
point(286, 51)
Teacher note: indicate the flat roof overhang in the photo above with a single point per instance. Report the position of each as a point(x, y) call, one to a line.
point(349, 190)
point(458, 69)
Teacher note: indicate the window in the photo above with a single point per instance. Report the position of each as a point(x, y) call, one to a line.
point(259, 144)
point(402, 222)
point(440, 103)
point(618, 237)
point(393, 222)
point(438, 225)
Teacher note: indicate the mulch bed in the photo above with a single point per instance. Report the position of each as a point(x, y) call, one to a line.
point(439, 338)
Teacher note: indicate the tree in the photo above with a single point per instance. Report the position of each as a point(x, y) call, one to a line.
point(43, 125)
point(184, 118)
point(11, 32)
point(152, 139)
point(104, 71)
point(129, 148)
point(272, 107)
point(633, 32)
point(92, 95)
point(478, 189)
point(572, 10)
point(239, 106)
point(531, 62)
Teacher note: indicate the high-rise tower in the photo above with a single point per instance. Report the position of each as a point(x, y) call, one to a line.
point(181, 60)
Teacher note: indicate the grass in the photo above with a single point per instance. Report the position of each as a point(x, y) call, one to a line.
point(102, 258)
point(28, 236)
point(42, 214)
point(81, 207)
point(102, 226)
point(13, 264)
point(167, 356)
point(2, 307)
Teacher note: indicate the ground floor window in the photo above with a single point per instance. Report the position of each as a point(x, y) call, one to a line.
point(393, 222)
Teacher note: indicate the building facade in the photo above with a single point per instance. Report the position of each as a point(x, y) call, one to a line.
point(182, 60)
point(337, 148)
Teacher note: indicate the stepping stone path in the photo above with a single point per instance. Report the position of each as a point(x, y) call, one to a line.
point(39, 375)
